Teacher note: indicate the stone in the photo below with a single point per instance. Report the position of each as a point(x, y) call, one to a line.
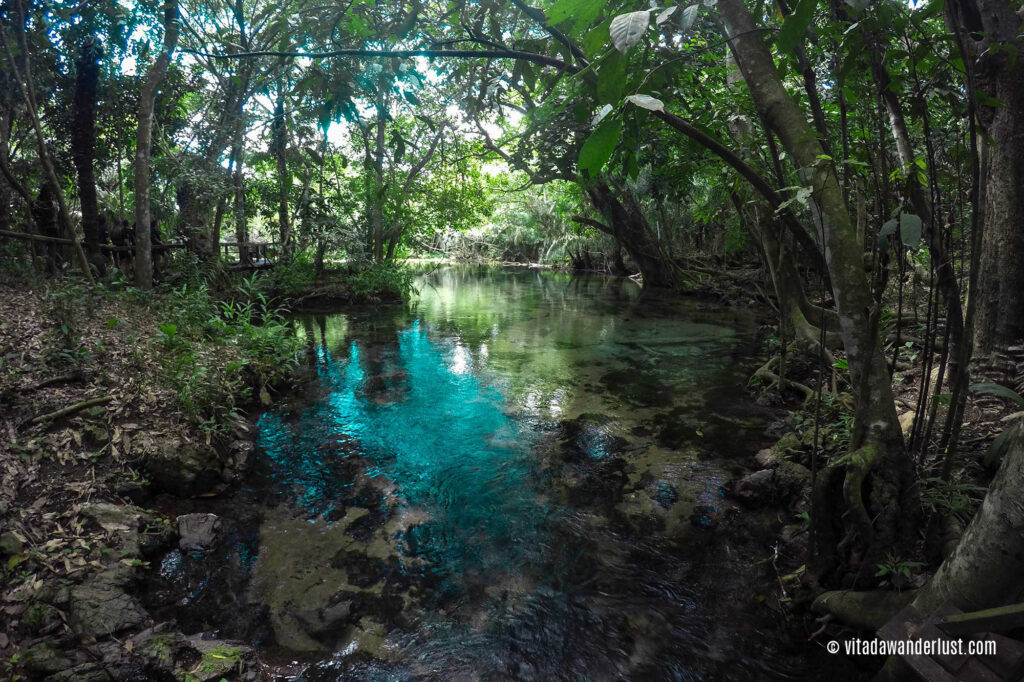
point(11, 543)
point(87, 672)
point(766, 458)
point(907, 423)
point(180, 467)
point(112, 517)
point(781, 485)
point(45, 659)
point(101, 606)
point(41, 618)
point(220, 659)
point(95, 436)
point(198, 532)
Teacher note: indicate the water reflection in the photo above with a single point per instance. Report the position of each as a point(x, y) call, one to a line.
point(499, 481)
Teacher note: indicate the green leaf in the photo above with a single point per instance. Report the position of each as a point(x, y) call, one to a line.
point(689, 16)
point(594, 41)
point(646, 102)
point(665, 15)
point(626, 30)
point(999, 390)
point(410, 98)
point(910, 229)
point(611, 78)
point(794, 27)
point(583, 12)
point(598, 148)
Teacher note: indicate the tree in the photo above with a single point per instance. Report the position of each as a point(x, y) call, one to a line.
point(143, 148)
point(83, 139)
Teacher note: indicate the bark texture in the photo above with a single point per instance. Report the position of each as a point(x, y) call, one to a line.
point(994, 29)
point(284, 180)
point(143, 148)
point(986, 567)
point(83, 140)
point(629, 226)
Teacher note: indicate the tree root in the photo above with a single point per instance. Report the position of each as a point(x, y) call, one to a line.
point(865, 610)
point(858, 465)
point(71, 409)
point(765, 372)
point(62, 379)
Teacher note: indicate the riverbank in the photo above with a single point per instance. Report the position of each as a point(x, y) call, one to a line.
point(110, 397)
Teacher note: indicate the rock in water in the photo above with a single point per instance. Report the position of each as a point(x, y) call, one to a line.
point(198, 532)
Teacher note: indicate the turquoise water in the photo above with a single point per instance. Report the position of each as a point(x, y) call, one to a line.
point(515, 476)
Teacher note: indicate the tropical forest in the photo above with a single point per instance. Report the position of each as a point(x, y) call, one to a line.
point(480, 340)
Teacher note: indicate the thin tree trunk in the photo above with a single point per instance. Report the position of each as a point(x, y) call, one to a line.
point(83, 140)
point(241, 231)
point(284, 180)
point(377, 197)
point(143, 148)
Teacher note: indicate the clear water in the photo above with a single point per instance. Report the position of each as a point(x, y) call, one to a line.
point(518, 475)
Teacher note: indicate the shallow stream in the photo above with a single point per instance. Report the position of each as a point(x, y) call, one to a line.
point(517, 475)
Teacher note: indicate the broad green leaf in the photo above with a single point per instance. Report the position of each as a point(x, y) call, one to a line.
point(626, 30)
point(665, 14)
point(601, 113)
point(611, 78)
point(582, 12)
point(794, 27)
point(999, 390)
point(910, 229)
point(647, 102)
point(598, 148)
point(689, 16)
point(594, 41)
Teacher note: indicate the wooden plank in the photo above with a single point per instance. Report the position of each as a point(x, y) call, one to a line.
point(899, 626)
point(1008, 661)
point(928, 669)
point(975, 671)
point(999, 619)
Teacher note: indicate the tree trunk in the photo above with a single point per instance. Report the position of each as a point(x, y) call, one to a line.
point(284, 180)
point(630, 228)
point(873, 487)
point(143, 148)
point(83, 142)
point(196, 196)
point(377, 194)
point(999, 324)
point(241, 229)
point(986, 567)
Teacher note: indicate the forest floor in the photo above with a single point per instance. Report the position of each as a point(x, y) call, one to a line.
point(780, 478)
point(92, 422)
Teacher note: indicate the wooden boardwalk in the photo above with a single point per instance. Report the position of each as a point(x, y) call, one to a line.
point(949, 624)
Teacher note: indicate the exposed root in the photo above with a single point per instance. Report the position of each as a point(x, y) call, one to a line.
point(858, 465)
point(71, 409)
point(765, 372)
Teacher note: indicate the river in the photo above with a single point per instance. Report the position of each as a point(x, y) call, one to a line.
point(519, 474)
